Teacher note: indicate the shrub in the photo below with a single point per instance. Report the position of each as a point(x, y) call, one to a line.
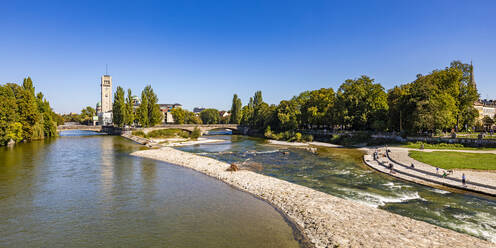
point(308, 138)
point(297, 137)
point(195, 134)
point(268, 133)
point(167, 133)
point(138, 133)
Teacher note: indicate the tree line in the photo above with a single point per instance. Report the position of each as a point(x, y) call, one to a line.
point(147, 114)
point(206, 116)
point(24, 115)
point(441, 100)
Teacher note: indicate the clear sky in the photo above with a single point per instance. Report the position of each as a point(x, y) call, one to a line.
point(199, 53)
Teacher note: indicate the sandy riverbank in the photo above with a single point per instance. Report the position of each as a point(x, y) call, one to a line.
point(325, 220)
point(169, 142)
point(186, 142)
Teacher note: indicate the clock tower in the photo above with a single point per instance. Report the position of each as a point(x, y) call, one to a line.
point(106, 90)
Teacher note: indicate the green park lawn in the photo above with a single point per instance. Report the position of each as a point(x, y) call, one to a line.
point(444, 146)
point(456, 160)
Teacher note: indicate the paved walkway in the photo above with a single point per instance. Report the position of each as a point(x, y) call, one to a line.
point(477, 181)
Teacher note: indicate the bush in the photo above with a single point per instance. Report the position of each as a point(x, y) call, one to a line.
point(351, 139)
point(138, 133)
point(195, 134)
point(308, 138)
point(418, 144)
point(287, 136)
point(167, 133)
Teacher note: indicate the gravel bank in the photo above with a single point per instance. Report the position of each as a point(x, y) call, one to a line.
point(325, 220)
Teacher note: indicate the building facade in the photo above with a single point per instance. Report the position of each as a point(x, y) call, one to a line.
point(166, 111)
point(106, 93)
point(486, 108)
point(105, 115)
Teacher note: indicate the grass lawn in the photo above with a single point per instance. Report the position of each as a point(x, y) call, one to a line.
point(456, 160)
point(445, 146)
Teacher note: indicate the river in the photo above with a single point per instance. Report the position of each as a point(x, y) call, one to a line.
point(85, 190)
point(341, 172)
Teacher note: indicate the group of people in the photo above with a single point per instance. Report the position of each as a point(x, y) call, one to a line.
point(445, 174)
point(449, 172)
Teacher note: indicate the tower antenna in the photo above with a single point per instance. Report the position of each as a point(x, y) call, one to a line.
point(106, 69)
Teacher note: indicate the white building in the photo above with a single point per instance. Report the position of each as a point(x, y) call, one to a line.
point(105, 116)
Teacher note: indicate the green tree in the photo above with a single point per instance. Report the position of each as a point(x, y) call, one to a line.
point(435, 98)
point(362, 104)
point(210, 116)
point(318, 108)
point(192, 118)
point(287, 116)
point(179, 115)
point(154, 113)
point(247, 114)
point(487, 122)
point(27, 110)
point(87, 114)
point(49, 124)
point(119, 107)
point(142, 111)
point(236, 110)
point(10, 128)
point(400, 108)
point(129, 109)
point(466, 114)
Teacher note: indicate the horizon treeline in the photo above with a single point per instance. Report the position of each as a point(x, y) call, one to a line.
point(24, 115)
point(441, 100)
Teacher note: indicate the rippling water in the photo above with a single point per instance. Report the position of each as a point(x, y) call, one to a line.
point(340, 172)
point(86, 191)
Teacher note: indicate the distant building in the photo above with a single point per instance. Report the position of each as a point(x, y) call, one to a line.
point(136, 102)
point(223, 113)
point(198, 110)
point(105, 115)
point(166, 111)
point(486, 108)
point(106, 93)
point(98, 107)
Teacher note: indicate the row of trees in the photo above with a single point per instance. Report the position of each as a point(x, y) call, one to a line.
point(146, 115)
point(441, 100)
point(24, 115)
point(207, 116)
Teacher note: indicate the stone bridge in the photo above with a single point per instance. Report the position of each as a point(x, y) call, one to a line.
point(203, 127)
point(79, 127)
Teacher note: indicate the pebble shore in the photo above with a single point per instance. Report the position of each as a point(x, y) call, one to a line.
point(323, 220)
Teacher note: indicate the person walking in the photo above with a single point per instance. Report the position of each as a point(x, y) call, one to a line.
point(464, 180)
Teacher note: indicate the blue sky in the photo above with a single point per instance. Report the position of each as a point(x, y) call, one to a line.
point(199, 53)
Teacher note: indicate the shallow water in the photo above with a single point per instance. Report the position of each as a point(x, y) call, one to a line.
point(341, 172)
point(86, 191)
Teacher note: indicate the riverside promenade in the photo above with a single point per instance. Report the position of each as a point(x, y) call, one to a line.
point(323, 220)
point(483, 182)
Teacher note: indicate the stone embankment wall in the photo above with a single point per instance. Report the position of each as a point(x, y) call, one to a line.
point(324, 220)
point(139, 140)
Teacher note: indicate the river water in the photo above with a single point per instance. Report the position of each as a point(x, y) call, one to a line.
point(86, 191)
point(341, 172)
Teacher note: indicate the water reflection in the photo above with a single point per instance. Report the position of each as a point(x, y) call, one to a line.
point(85, 191)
